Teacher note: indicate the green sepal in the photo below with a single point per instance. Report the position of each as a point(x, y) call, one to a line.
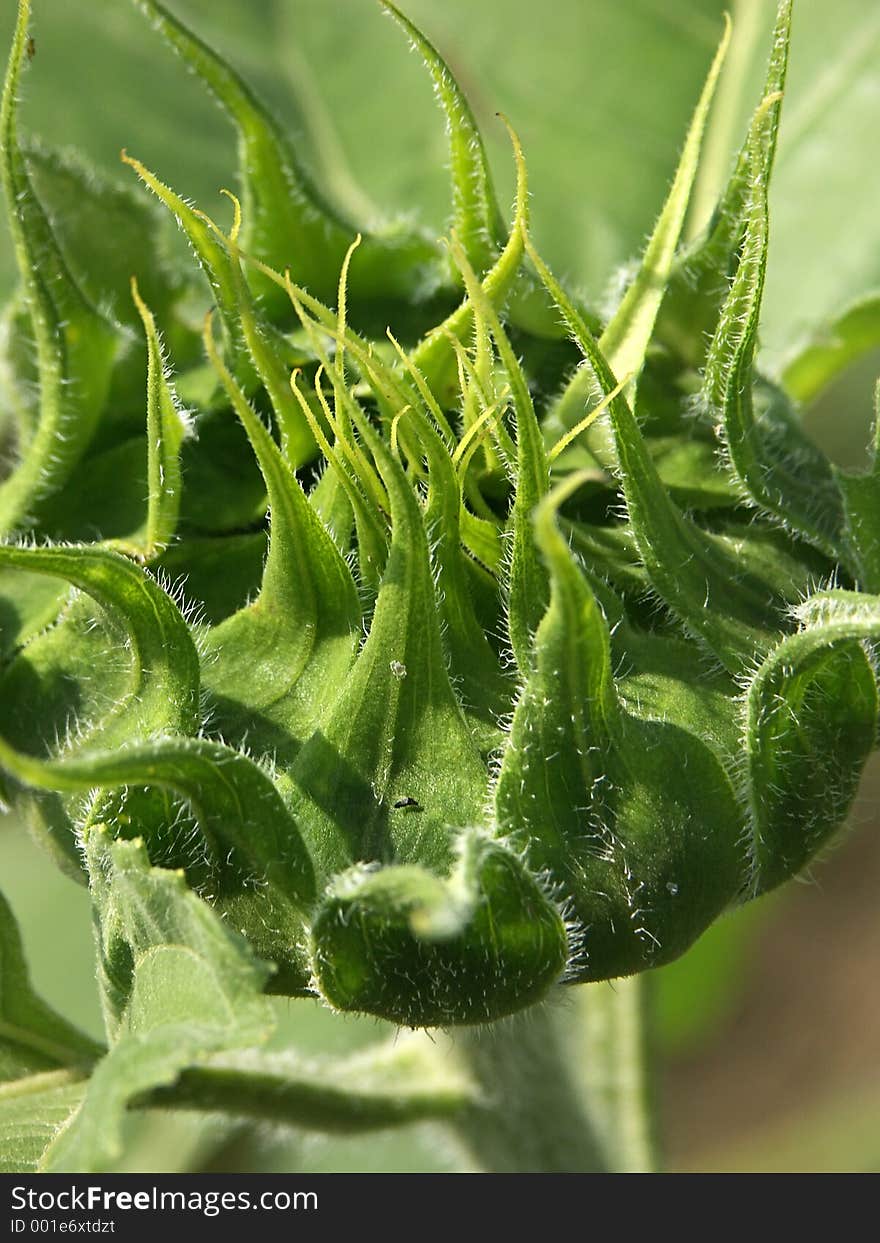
point(613, 806)
point(267, 666)
point(33, 1037)
point(395, 729)
point(777, 466)
point(163, 682)
point(733, 612)
point(404, 944)
point(810, 723)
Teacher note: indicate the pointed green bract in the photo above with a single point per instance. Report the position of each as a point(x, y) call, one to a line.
point(286, 222)
point(289, 223)
point(483, 688)
point(167, 427)
point(435, 356)
point(612, 806)
point(255, 349)
point(244, 823)
point(475, 215)
point(731, 611)
point(625, 339)
point(700, 281)
point(527, 588)
point(778, 467)
point(306, 618)
point(395, 731)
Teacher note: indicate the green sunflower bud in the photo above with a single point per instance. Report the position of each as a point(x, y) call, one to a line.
point(423, 622)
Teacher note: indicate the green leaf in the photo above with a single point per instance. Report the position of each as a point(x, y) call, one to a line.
point(193, 989)
point(404, 944)
point(32, 1111)
point(811, 721)
point(33, 1038)
point(832, 348)
point(389, 1084)
point(75, 347)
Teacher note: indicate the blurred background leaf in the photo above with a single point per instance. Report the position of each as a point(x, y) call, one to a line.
point(600, 91)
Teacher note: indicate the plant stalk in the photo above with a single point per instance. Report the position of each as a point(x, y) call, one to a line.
point(565, 1086)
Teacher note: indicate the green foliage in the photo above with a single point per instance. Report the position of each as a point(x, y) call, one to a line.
point(560, 646)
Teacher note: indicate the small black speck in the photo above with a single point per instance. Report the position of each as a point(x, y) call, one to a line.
point(408, 802)
point(31, 48)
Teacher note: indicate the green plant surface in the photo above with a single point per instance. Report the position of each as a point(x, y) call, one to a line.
point(419, 636)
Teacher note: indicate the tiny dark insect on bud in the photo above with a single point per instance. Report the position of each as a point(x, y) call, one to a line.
point(407, 802)
point(31, 48)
